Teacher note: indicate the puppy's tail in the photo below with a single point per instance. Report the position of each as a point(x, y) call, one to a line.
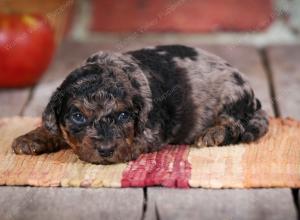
point(257, 126)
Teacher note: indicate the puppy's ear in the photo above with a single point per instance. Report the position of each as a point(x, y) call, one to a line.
point(141, 117)
point(52, 111)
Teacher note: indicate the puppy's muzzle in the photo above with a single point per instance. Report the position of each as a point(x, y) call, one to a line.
point(106, 151)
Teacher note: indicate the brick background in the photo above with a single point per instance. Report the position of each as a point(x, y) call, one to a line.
point(180, 15)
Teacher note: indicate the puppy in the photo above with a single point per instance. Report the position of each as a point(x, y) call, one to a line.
point(117, 106)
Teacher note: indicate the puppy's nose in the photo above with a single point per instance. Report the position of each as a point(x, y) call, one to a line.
point(106, 151)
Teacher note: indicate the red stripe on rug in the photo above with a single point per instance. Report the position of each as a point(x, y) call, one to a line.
point(169, 167)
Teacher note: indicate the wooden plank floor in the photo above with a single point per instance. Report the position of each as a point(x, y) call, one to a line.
point(161, 203)
point(27, 203)
point(208, 204)
point(12, 101)
point(285, 66)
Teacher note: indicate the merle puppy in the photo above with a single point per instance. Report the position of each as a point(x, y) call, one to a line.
point(116, 106)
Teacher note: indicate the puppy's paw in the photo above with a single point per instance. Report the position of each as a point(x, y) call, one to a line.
point(29, 144)
point(38, 141)
point(214, 136)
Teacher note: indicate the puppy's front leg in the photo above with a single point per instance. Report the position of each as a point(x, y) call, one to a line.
point(38, 141)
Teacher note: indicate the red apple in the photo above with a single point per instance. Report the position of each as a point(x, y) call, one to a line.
point(26, 47)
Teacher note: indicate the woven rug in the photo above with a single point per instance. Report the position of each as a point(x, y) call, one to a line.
point(273, 161)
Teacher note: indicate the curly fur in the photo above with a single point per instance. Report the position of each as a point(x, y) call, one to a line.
point(172, 94)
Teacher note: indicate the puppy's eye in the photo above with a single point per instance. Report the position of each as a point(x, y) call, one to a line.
point(123, 117)
point(78, 118)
